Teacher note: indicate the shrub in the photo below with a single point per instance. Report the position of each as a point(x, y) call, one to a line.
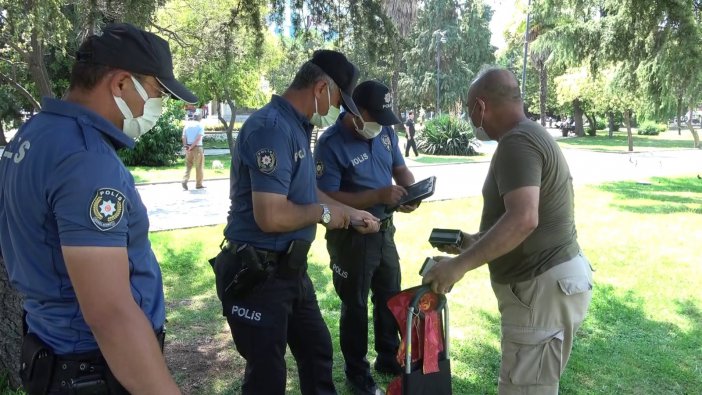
point(651, 128)
point(446, 135)
point(160, 146)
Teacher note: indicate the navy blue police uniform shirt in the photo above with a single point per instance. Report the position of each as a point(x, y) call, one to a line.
point(272, 155)
point(64, 185)
point(347, 163)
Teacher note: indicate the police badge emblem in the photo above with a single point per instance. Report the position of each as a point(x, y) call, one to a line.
point(319, 168)
point(386, 141)
point(266, 160)
point(107, 208)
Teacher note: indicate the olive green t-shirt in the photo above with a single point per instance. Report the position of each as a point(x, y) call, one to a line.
point(528, 156)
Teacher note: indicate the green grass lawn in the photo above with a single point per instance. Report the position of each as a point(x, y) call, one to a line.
point(146, 174)
point(618, 142)
point(444, 159)
point(643, 334)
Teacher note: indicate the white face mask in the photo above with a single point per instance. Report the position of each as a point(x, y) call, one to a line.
point(369, 130)
point(323, 121)
point(153, 106)
point(480, 132)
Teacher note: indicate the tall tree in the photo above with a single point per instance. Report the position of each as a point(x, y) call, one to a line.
point(220, 53)
point(465, 50)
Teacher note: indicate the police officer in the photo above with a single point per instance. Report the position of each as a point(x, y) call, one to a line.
point(74, 231)
point(267, 295)
point(357, 160)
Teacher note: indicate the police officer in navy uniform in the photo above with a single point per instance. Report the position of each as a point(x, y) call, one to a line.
point(74, 231)
point(262, 281)
point(357, 160)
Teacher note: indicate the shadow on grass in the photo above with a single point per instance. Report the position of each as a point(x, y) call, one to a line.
point(619, 350)
point(619, 140)
point(662, 196)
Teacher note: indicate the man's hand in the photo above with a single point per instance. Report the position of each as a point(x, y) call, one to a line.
point(364, 222)
point(408, 208)
point(391, 195)
point(340, 219)
point(444, 274)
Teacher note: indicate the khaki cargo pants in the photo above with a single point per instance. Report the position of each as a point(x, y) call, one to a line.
point(539, 320)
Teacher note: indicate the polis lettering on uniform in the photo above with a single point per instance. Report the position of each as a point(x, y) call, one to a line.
point(337, 270)
point(20, 154)
point(251, 315)
point(359, 159)
point(109, 192)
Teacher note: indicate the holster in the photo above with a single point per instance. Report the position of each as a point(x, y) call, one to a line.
point(238, 269)
point(36, 365)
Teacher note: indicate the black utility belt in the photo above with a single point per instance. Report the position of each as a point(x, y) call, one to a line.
point(43, 371)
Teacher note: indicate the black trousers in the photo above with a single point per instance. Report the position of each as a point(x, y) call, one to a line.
point(279, 313)
point(362, 263)
point(413, 144)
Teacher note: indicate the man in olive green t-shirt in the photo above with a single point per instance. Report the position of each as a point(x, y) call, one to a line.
point(541, 279)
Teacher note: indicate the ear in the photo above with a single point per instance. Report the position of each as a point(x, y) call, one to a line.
point(116, 82)
point(320, 88)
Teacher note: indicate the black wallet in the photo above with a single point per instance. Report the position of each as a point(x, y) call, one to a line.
point(442, 237)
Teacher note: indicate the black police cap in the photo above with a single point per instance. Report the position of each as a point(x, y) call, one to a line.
point(376, 98)
point(123, 46)
point(343, 72)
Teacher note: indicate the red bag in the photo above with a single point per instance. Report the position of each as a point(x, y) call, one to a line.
point(426, 331)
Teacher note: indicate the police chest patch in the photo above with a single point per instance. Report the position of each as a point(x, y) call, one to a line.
point(266, 160)
point(319, 167)
point(107, 208)
point(386, 141)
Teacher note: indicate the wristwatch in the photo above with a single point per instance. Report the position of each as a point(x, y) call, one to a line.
point(326, 214)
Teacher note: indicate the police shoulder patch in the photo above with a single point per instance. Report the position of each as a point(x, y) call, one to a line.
point(266, 160)
point(107, 208)
point(319, 167)
point(386, 142)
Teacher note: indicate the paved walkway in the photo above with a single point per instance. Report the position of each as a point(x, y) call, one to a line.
point(170, 207)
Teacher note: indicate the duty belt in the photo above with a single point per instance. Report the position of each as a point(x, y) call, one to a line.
point(265, 255)
point(69, 369)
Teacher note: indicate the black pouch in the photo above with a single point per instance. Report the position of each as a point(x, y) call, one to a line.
point(294, 261)
point(36, 365)
point(90, 385)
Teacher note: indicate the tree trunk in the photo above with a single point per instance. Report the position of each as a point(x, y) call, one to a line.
point(543, 91)
point(228, 127)
point(677, 115)
point(37, 66)
point(10, 328)
point(394, 87)
point(695, 136)
point(578, 118)
point(630, 137)
point(3, 140)
point(610, 123)
point(592, 120)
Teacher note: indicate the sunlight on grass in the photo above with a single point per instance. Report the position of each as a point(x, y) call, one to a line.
point(618, 142)
point(643, 333)
point(174, 173)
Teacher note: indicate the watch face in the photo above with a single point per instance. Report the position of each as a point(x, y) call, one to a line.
point(326, 217)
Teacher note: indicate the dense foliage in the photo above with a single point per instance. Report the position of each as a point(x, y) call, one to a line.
point(447, 135)
point(161, 146)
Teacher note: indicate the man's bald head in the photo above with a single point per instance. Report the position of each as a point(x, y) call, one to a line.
point(496, 85)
